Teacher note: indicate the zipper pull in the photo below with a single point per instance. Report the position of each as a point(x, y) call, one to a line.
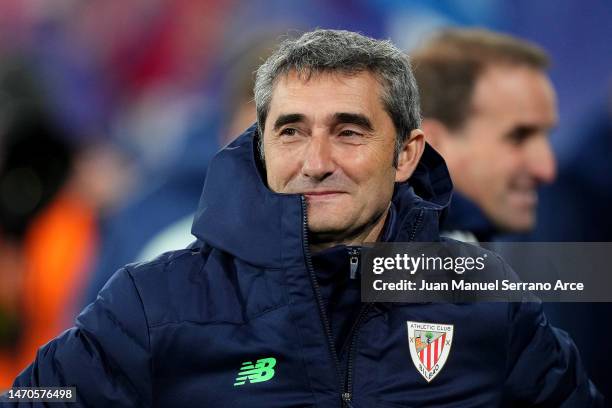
point(346, 398)
point(354, 261)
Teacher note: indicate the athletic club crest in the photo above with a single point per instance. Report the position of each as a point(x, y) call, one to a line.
point(430, 345)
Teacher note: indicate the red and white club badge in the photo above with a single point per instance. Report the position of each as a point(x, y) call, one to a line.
point(430, 345)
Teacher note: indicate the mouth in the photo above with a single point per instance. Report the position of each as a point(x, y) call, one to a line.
point(322, 195)
point(524, 197)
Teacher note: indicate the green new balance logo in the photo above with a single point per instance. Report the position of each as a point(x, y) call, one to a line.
point(261, 371)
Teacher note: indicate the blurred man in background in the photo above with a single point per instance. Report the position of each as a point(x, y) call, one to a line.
point(488, 107)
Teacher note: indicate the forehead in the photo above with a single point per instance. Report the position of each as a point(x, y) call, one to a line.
point(327, 93)
point(515, 93)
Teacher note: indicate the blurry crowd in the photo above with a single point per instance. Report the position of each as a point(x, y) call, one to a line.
point(111, 110)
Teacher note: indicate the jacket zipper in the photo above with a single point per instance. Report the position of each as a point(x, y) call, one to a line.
point(346, 383)
point(319, 297)
point(347, 394)
point(416, 225)
point(353, 261)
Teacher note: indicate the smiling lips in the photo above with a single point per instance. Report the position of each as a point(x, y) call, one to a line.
point(321, 195)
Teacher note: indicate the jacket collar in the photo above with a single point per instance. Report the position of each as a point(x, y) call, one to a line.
point(240, 215)
point(465, 216)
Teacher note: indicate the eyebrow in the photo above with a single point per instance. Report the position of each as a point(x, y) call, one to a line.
point(288, 118)
point(523, 131)
point(354, 118)
point(340, 117)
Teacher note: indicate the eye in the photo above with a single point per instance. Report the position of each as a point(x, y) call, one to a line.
point(521, 134)
point(517, 138)
point(288, 132)
point(349, 133)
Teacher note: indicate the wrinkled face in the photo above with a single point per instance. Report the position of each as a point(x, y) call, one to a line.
point(330, 139)
point(502, 153)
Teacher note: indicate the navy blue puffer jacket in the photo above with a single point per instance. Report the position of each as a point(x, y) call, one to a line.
point(237, 320)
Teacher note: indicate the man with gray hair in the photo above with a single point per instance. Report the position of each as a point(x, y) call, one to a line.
point(264, 309)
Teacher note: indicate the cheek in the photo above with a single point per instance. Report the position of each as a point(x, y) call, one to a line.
point(491, 176)
point(372, 160)
point(507, 166)
point(276, 175)
point(283, 163)
point(376, 181)
point(490, 164)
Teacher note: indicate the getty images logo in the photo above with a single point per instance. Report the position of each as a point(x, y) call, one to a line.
point(262, 370)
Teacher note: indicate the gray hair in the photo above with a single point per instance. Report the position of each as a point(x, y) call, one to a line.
point(347, 52)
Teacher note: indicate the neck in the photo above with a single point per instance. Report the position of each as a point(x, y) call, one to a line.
point(370, 233)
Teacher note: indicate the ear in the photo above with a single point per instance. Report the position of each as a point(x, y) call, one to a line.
point(409, 155)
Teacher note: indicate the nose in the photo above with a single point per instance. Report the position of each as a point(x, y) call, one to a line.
point(541, 162)
point(318, 161)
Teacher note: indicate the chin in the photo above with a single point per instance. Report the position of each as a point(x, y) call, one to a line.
point(520, 224)
point(327, 218)
point(325, 228)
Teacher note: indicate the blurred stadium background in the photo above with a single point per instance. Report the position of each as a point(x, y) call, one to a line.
point(110, 111)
